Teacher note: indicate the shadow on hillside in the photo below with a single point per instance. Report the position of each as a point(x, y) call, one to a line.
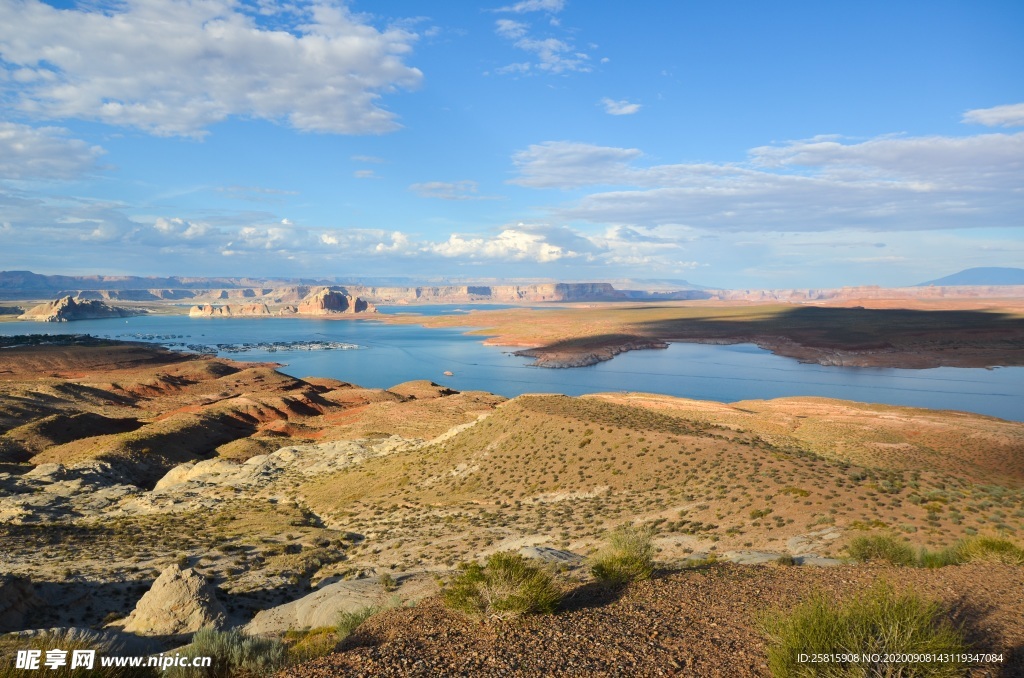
point(974, 618)
point(849, 328)
point(591, 595)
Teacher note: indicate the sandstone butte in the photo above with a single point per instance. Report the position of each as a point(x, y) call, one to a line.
point(67, 308)
point(324, 301)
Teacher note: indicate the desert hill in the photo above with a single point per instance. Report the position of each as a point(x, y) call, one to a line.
point(123, 462)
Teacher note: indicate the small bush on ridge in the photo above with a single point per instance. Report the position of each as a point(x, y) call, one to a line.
point(881, 547)
point(234, 654)
point(507, 585)
point(628, 557)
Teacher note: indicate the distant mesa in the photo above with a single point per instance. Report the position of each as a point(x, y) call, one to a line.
point(228, 311)
point(67, 308)
point(984, 275)
point(322, 302)
point(326, 301)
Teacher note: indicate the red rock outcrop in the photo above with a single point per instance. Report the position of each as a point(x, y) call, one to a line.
point(326, 301)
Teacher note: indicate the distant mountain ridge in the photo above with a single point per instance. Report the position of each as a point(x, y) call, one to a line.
point(983, 275)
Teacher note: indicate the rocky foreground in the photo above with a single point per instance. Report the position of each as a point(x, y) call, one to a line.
point(700, 622)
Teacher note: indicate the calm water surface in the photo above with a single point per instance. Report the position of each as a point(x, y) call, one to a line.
point(390, 354)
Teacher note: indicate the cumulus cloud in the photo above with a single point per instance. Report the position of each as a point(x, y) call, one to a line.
point(449, 190)
point(509, 245)
point(174, 67)
point(824, 183)
point(43, 153)
point(1010, 115)
point(623, 107)
point(181, 229)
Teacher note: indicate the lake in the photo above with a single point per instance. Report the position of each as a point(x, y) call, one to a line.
point(383, 355)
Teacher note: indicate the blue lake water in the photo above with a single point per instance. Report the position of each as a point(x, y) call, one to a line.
point(390, 354)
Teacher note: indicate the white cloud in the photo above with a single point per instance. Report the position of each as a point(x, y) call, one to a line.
point(449, 190)
point(825, 183)
point(551, 54)
point(368, 158)
point(43, 153)
point(509, 245)
point(507, 28)
point(181, 229)
point(174, 67)
point(1010, 115)
point(567, 164)
point(523, 6)
point(365, 174)
point(400, 244)
point(554, 56)
point(622, 107)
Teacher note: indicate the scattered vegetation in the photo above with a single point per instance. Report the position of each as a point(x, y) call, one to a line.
point(508, 585)
point(969, 550)
point(306, 644)
point(879, 621)
point(234, 654)
point(627, 557)
point(881, 547)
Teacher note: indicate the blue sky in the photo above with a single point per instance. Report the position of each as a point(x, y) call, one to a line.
point(733, 144)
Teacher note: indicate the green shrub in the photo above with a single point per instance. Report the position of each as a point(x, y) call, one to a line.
point(972, 549)
point(507, 585)
point(350, 621)
point(940, 558)
point(234, 654)
point(989, 550)
point(879, 621)
point(627, 557)
point(311, 643)
point(881, 547)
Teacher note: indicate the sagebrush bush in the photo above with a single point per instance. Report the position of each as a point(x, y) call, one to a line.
point(881, 547)
point(970, 550)
point(310, 644)
point(628, 556)
point(507, 585)
point(989, 550)
point(234, 654)
point(879, 621)
point(350, 621)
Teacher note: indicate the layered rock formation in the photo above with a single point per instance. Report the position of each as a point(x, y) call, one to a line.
point(320, 302)
point(211, 311)
point(67, 308)
point(326, 301)
point(180, 601)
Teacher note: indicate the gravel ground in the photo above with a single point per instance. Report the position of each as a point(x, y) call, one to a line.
point(690, 623)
